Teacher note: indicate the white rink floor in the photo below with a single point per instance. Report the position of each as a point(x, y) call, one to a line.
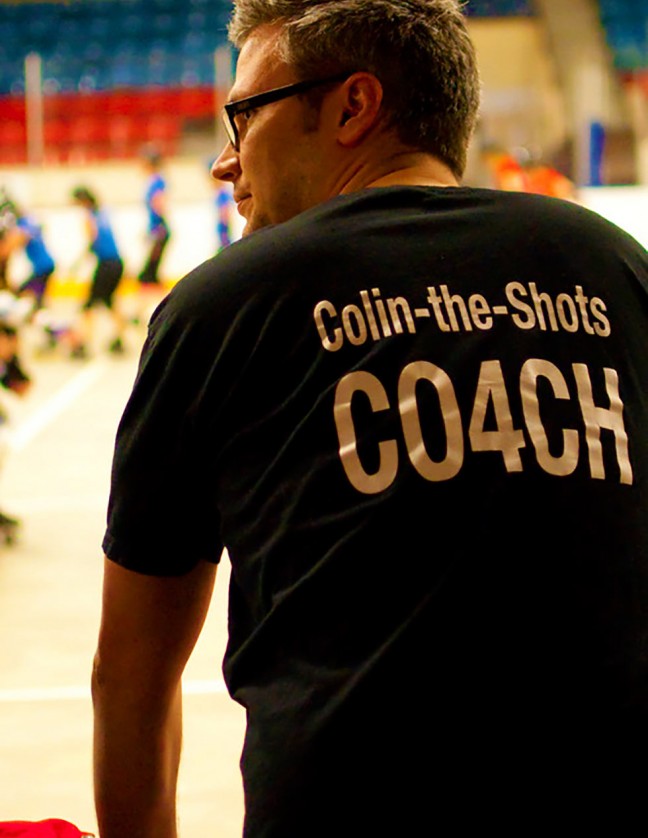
point(56, 480)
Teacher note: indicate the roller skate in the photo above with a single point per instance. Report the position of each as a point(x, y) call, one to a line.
point(55, 332)
point(53, 336)
point(8, 528)
point(79, 352)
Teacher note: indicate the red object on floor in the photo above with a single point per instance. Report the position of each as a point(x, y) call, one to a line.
point(50, 828)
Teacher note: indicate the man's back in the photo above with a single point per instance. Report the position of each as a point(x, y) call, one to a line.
point(416, 418)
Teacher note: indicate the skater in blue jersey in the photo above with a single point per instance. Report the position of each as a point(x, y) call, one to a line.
point(224, 207)
point(22, 232)
point(107, 274)
point(158, 227)
point(151, 287)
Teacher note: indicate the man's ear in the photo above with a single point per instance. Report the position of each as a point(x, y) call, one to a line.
point(363, 95)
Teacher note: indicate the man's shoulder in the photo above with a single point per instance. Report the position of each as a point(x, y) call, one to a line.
point(527, 205)
point(350, 230)
point(343, 213)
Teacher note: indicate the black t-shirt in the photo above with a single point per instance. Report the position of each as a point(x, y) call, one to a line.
point(417, 420)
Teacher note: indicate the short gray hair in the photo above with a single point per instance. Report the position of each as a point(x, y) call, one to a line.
point(420, 51)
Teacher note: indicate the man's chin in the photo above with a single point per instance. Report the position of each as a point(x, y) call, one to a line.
point(253, 224)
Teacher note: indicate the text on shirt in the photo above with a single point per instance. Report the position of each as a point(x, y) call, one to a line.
point(595, 414)
point(375, 318)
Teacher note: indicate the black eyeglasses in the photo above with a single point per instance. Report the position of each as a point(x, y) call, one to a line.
point(233, 109)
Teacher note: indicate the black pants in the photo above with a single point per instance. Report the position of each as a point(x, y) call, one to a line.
point(104, 282)
point(149, 273)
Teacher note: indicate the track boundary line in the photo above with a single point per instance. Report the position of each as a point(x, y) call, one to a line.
point(34, 424)
point(82, 693)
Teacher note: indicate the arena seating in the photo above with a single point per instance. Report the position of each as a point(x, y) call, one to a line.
point(119, 73)
point(116, 74)
point(500, 8)
point(626, 26)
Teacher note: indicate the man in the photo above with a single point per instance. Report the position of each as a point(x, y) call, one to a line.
point(425, 454)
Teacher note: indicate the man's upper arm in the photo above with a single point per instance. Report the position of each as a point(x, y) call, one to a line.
point(150, 624)
point(163, 515)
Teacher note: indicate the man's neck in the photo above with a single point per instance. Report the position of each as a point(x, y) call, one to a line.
point(401, 169)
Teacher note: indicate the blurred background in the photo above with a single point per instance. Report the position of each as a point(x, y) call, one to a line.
point(566, 80)
point(84, 84)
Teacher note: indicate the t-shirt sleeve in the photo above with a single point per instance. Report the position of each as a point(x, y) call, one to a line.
point(162, 516)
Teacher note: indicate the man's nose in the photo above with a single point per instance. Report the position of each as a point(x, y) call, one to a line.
point(226, 166)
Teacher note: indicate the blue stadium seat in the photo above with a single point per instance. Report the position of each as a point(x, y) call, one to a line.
point(626, 27)
point(163, 25)
point(500, 8)
point(126, 73)
point(95, 31)
point(99, 27)
point(129, 25)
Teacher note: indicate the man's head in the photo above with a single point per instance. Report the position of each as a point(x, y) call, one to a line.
point(85, 198)
point(418, 49)
point(405, 68)
point(151, 158)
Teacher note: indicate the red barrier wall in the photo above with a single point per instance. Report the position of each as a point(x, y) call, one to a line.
point(96, 126)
